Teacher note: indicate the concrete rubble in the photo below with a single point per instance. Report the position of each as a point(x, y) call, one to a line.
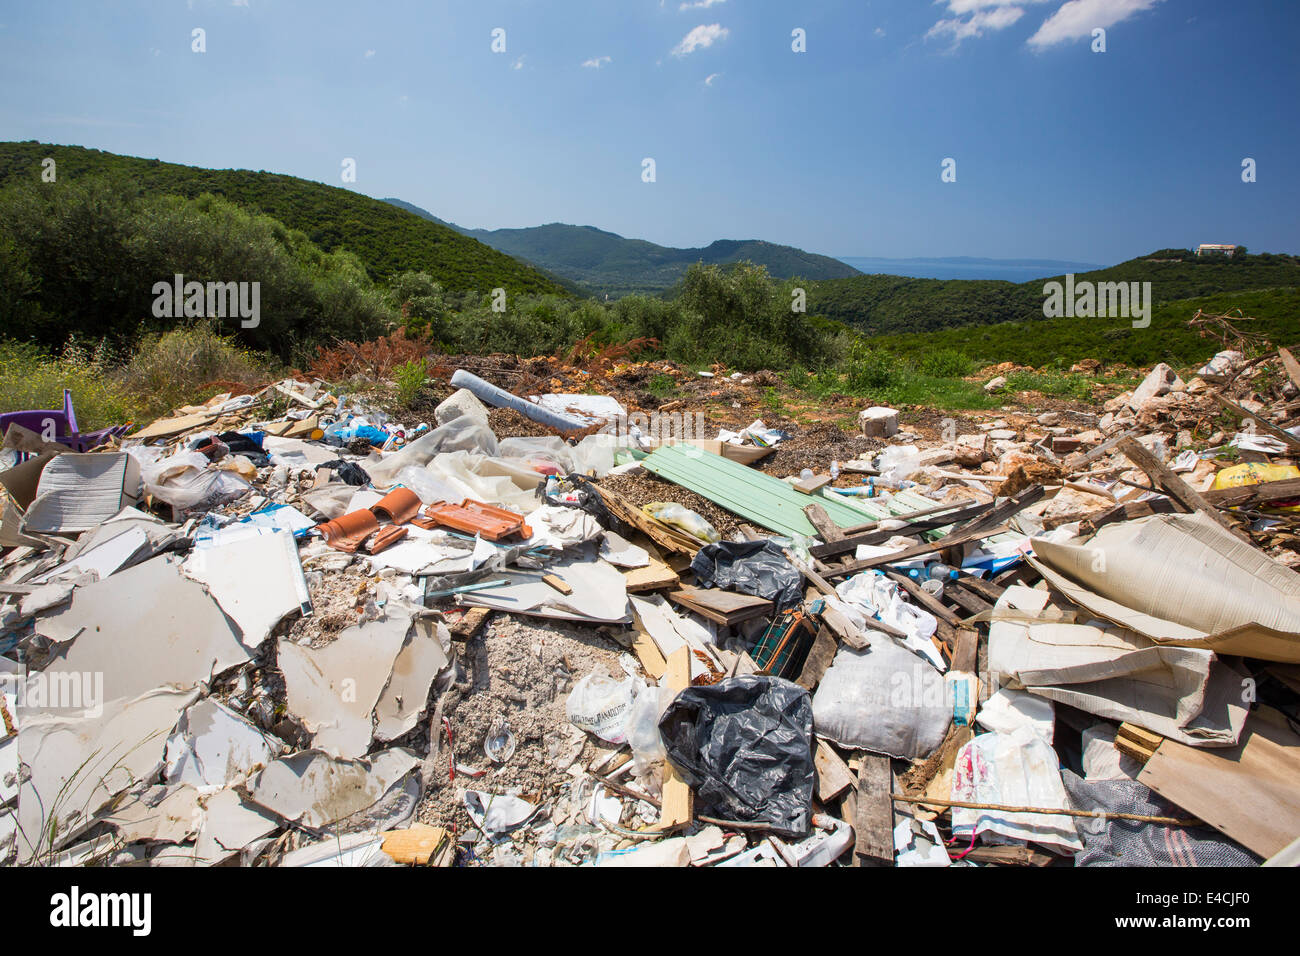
point(282, 630)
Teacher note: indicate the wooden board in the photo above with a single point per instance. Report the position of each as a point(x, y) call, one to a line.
point(470, 623)
point(653, 577)
point(874, 826)
point(167, 427)
point(833, 774)
point(678, 800)
point(647, 651)
point(819, 658)
point(1248, 791)
point(722, 607)
point(1174, 486)
point(416, 844)
point(806, 486)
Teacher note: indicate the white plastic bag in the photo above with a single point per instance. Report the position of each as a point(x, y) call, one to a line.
point(599, 705)
point(641, 728)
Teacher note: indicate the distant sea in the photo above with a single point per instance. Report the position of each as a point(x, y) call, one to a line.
point(967, 267)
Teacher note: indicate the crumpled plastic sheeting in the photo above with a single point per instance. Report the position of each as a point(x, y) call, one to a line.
point(749, 567)
point(1111, 842)
point(187, 480)
point(745, 745)
point(1019, 769)
point(459, 434)
point(560, 528)
point(879, 596)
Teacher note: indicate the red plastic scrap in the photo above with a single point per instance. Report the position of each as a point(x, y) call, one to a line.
point(475, 517)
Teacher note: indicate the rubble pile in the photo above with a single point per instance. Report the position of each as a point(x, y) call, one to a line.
point(281, 628)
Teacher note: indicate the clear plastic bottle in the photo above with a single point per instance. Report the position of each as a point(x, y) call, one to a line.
point(941, 572)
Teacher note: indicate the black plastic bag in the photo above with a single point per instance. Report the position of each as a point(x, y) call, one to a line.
point(749, 567)
point(348, 471)
point(745, 745)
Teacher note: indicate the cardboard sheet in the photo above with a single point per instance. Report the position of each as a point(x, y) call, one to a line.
point(1181, 580)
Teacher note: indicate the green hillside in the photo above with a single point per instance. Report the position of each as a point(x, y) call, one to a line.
point(881, 304)
point(1062, 342)
point(386, 240)
point(608, 263)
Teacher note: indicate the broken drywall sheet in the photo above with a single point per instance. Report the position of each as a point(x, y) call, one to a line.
point(78, 764)
point(333, 689)
point(230, 823)
point(148, 626)
point(419, 661)
point(214, 747)
point(157, 814)
point(258, 581)
point(671, 631)
point(599, 593)
point(1184, 693)
point(314, 789)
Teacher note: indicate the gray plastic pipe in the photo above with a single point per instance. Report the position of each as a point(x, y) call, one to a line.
point(503, 399)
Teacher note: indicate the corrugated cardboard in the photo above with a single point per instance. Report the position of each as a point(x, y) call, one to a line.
point(77, 492)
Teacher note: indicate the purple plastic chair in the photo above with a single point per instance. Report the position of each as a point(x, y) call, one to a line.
point(65, 425)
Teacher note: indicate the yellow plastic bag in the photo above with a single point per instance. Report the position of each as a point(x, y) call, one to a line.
point(1257, 473)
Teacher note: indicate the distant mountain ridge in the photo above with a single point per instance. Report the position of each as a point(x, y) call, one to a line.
point(607, 262)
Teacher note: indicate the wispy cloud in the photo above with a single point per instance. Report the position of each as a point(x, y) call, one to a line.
point(596, 62)
point(701, 38)
point(1078, 18)
point(369, 54)
point(708, 80)
point(985, 15)
point(239, 3)
point(519, 63)
point(700, 4)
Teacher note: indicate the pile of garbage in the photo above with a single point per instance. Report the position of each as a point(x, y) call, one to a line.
point(283, 629)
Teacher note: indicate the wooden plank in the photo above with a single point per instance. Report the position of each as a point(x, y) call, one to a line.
point(647, 651)
point(1253, 494)
point(470, 623)
point(723, 607)
point(1291, 365)
point(653, 577)
point(415, 845)
point(874, 824)
point(847, 542)
point(965, 652)
point(807, 486)
point(1247, 791)
point(819, 658)
point(916, 551)
point(986, 589)
point(924, 598)
point(1172, 485)
point(1260, 422)
point(558, 583)
point(833, 774)
point(1136, 742)
point(678, 800)
point(968, 600)
point(827, 528)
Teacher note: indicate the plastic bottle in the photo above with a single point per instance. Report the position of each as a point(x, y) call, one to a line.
point(941, 572)
point(835, 470)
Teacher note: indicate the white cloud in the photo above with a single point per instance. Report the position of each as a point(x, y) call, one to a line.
point(596, 62)
point(699, 4)
point(880, 31)
point(997, 17)
point(519, 63)
point(708, 80)
point(369, 54)
point(702, 37)
point(1078, 18)
point(239, 3)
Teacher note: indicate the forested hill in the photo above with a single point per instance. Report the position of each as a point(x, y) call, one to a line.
point(609, 263)
point(386, 239)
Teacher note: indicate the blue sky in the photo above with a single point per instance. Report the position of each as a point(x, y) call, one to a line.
point(1060, 152)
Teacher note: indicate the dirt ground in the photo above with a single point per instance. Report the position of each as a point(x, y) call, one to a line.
point(521, 670)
